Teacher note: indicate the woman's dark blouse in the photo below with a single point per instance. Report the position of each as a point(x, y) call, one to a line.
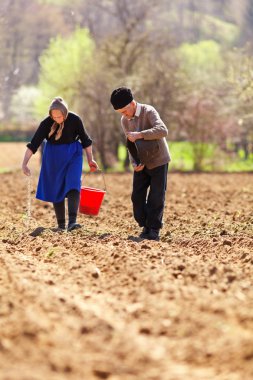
point(73, 130)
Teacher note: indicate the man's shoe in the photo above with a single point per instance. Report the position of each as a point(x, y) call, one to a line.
point(144, 233)
point(73, 226)
point(153, 234)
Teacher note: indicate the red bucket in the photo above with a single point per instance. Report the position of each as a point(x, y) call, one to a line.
point(91, 200)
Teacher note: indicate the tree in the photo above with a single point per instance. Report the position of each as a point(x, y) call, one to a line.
point(72, 68)
point(22, 39)
point(22, 105)
point(63, 65)
point(240, 79)
point(124, 50)
point(247, 24)
point(201, 99)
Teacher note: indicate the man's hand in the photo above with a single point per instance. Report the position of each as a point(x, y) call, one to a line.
point(139, 168)
point(133, 136)
point(93, 166)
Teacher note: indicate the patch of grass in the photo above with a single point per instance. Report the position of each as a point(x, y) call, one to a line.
point(214, 159)
point(240, 165)
point(122, 152)
point(51, 252)
point(5, 170)
point(182, 154)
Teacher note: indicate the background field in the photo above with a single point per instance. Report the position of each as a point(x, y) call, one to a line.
point(11, 156)
point(98, 303)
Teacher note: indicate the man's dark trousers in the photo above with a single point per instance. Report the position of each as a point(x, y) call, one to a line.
point(148, 207)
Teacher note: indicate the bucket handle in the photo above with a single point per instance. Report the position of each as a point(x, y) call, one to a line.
point(100, 171)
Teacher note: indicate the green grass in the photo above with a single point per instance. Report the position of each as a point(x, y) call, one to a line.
point(181, 156)
point(5, 170)
point(122, 153)
point(182, 159)
point(180, 151)
point(214, 160)
point(118, 167)
point(240, 164)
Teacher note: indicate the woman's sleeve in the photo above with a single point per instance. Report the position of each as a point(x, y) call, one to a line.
point(83, 135)
point(38, 138)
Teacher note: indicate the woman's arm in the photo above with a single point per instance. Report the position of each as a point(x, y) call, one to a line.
point(28, 155)
point(92, 163)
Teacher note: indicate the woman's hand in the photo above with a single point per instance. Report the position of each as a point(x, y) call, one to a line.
point(92, 163)
point(93, 166)
point(26, 170)
point(28, 155)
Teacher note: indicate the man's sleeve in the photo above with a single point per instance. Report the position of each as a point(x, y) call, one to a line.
point(158, 129)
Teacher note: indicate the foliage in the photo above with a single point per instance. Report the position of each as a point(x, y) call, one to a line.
point(246, 23)
point(239, 165)
point(63, 66)
point(174, 55)
point(22, 104)
point(240, 78)
point(219, 30)
point(240, 73)
point(201, 110)
point(201, 62)
point(184, 156)
point(214, 159)
point(22, 40)
point(182, 153)
point(55, 2)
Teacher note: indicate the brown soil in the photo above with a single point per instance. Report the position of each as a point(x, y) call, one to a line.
point(99, 304)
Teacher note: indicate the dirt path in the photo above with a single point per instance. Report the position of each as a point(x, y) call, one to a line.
point(99, 304)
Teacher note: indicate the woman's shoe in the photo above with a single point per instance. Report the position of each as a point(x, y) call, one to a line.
point(73, 226)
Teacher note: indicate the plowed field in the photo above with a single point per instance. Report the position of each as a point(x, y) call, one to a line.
point(98, 303)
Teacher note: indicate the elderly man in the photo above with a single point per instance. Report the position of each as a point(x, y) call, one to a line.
point(149, 154)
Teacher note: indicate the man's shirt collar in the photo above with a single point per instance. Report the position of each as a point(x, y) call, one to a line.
point(138, 110)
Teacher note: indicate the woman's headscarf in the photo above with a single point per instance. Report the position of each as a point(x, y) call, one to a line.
point(58, 104)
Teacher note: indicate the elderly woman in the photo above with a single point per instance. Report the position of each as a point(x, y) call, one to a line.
point(61, 169)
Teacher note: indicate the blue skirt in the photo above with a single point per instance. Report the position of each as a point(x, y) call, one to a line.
point(60, 172)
